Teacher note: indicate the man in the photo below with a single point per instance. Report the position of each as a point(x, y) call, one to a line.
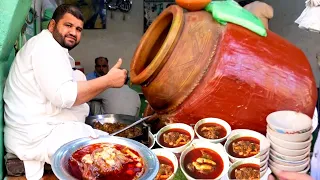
point(101, 68)
point(260, 9)
point(122, 100)
point(45, 103)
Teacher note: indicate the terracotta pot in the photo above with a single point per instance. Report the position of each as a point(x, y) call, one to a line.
point(190, 67)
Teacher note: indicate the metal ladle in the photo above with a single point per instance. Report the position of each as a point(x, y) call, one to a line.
point(131, 125)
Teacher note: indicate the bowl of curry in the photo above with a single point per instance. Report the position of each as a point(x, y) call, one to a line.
point(242, 145)
point(245, 169)
point(105, 157)
point(212, 129)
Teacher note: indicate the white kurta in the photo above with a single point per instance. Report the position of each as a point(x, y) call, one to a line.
point(39, 95)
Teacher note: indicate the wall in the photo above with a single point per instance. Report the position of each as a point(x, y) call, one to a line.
point(285, 13)
point(119, 39)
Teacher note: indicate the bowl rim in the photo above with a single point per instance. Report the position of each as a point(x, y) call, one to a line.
point(282, 130)
point(288, 162)
point(271, 162)
point(212, 146)
point(60, 156)
point(219, 121)
point(180, 126)
point(175, 163)
point(275, 153)
point(290, 150)
point(290, 142)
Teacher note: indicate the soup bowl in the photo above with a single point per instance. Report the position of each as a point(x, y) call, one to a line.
point(175, 127)
point(288, 144)
point(288, 158)
point(224, 130)
point(246, 135)
point(286, 162)
point(210, 150)
point(289, 122)
point(170, 156)
point(249, 162)
point(290, 152)
point(296, 168)
point(302, 137)
point(60, 159)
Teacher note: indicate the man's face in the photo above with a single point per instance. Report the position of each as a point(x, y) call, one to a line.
point(67, 32)
point(102, 67)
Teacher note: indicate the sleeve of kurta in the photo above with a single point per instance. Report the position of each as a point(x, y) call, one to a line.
point(53, 73)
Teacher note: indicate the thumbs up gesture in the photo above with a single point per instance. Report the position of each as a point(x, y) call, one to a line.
point(116, 75)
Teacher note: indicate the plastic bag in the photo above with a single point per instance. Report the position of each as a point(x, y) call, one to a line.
point(310, 19)
point(231, 11)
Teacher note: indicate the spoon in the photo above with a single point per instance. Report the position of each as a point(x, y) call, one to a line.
point(131, 125)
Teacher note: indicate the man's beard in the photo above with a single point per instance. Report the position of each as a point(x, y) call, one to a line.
point(61, 39)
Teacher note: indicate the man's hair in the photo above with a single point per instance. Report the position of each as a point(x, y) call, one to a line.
point(67, 8)
point(245, 2)
point(96, 60)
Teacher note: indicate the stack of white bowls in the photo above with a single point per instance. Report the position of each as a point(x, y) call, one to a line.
point(290, 135)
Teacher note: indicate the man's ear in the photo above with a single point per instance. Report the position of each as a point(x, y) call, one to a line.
point(51, 25)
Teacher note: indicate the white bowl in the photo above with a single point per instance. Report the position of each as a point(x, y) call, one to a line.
point(241, 162)
point(176, 126)
point(290, 152)
point(289, 168)
point(213, 120)
point(168, 154)
point(264, 142)
point(262, 168)
point(264, 162)
point(288, 144)
point(290, 137)
point(288, 163)
point(239, 134)
point(263, 172)
point(264, 156)
point(151, 137)
point(218, 148)
point(289, 122)
point(288, 158)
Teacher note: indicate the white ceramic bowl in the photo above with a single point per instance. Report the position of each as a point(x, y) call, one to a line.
point(168, 154)
point(218, 148)
point(152, 139)
point(289, 168)
point(264, 162)
point(289, 122)
point(263, 172)
point(288, 144)
point(213, 120)
point(290, 137)
point(241, 162)
point(288, 163)
point(262, 168)
point(264, 142)
point(175, 126)
point(276, 171)
point(239, 134)
point(290, 152)
point(264, 156)
point(288, 158)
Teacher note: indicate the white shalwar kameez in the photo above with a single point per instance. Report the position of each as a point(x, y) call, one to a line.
point(39, 95)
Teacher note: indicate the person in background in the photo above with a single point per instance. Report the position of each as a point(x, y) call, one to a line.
point(101, 68)
point(122, 100)
point(260, 9)
point(45, 99)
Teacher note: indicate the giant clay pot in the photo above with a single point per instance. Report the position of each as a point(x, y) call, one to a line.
point(190, 67)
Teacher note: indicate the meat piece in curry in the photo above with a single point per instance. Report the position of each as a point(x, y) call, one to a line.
point(203, 164)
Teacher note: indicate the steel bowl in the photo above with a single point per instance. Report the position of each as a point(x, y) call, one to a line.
point(60, 159)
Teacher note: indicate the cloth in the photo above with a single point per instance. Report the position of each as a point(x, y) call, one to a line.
point(122, 100)
point(92, 75)
point(39, 94)
point(262, 10)
point(315, 160)
point(310, 19)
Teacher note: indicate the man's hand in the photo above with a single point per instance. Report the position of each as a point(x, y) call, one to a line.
point(283, 175)
point(117, 76)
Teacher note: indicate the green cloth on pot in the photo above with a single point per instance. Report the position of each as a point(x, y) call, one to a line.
point(230, 11)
